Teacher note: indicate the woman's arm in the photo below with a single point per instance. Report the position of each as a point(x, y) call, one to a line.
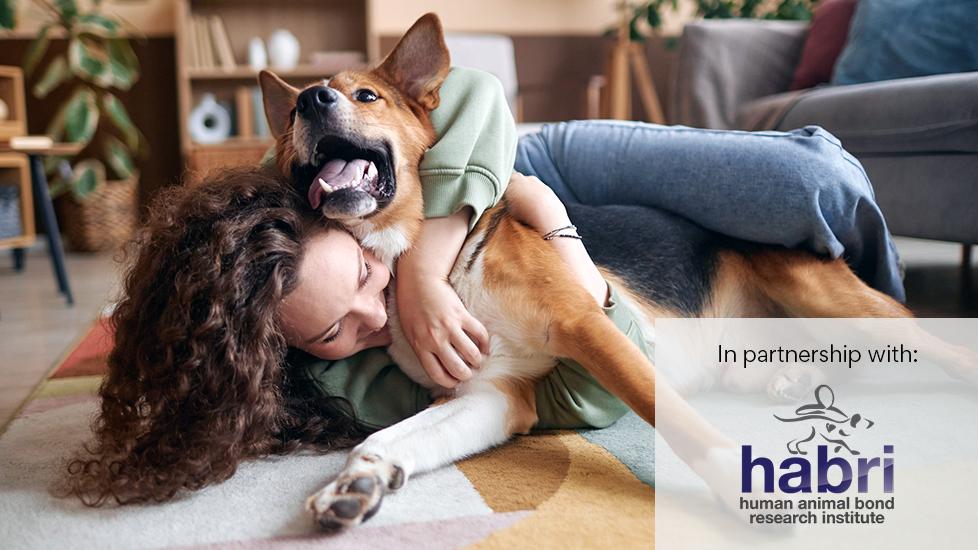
point(464, 173)
point(446, 338)
point(532, 202)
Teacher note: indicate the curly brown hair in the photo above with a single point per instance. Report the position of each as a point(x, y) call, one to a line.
point(197, 380)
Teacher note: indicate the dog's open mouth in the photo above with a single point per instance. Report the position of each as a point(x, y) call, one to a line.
point(348, 176)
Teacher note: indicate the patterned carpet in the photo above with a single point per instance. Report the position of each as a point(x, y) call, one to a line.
point(549, 490)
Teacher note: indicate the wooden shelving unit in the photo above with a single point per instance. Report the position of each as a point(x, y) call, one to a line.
point(14, 170)
point(319, 25)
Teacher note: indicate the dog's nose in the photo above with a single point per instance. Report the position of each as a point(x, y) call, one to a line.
point(315, 100)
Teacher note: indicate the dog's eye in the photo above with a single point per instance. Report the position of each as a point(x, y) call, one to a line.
point(364, 95)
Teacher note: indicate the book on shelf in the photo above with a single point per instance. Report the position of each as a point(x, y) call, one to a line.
point(222, 43)
point(244, 108)
point(201, 44)
point(258, 108)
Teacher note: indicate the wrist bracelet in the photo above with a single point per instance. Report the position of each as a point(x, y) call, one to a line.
point(552, 237)
point(559, 233)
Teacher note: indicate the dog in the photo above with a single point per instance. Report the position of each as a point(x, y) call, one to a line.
point(377, 123)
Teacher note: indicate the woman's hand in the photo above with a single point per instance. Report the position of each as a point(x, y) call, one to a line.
point(446, 338)
point(533, 203)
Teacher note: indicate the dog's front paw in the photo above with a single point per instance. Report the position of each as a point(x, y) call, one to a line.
point(355, 495)
point(791, 385)
point(347, 501)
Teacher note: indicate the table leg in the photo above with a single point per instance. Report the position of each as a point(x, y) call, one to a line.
point(55, 248)
point(19, 257)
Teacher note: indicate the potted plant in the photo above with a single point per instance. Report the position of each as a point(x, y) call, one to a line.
point(98, 193)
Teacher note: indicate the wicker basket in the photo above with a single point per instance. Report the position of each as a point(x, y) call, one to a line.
point(103, 220)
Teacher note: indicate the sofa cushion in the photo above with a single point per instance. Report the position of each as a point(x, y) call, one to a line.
point(927, 196)
point(826, 37)
point(931, 114)
point(905, 38)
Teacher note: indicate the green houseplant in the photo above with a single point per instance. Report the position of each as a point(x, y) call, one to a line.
point(649, 13)
point(100, 189)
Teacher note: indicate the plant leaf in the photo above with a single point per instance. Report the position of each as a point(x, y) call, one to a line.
point(88, 174)
point(8, 14)
point(68, 10)
point(56, 73)
point(58, 187)
point(96, 24)
point(118, 157)
point(123, 63)
point(35, 52)
point(77, 120)
point(89, 60)
point(653, 17)
point(117, 113)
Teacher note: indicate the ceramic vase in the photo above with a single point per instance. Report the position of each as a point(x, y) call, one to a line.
point(283, 50)
point(209, 121)
point(257, 56)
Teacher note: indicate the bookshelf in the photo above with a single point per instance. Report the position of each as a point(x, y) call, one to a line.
point(338, 26)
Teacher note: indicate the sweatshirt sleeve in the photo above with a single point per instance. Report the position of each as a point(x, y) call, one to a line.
point(472, 160)
point(377, 390)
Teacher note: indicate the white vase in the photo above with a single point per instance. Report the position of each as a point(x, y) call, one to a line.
point(257, 56)
point(209, 121)
point(283, 50)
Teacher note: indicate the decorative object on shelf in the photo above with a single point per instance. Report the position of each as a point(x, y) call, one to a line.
point(209, 122)
point(283, 50)
point(257, 56)
point(4, 110)
point(99, 62)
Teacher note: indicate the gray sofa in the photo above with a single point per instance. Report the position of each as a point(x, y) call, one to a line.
point(916, 137)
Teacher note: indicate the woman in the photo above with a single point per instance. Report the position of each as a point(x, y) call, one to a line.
point(228, 277)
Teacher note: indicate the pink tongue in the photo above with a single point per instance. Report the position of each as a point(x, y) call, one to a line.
point(338, 174)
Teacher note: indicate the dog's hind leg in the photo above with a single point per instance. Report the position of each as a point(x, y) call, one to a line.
point(806, 286)
point(483, 415)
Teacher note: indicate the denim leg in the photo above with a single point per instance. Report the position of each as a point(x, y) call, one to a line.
point(795, 189)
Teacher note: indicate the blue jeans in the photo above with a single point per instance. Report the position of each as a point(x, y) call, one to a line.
point(798, 189)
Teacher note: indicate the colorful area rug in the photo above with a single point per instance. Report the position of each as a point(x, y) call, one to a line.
point(588, 489)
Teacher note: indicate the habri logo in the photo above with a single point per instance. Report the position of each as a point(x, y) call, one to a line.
point(829, 428)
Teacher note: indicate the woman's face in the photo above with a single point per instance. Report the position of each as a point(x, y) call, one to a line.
point(339, 306)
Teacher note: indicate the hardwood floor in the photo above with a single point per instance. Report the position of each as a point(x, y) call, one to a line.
point(36, 326)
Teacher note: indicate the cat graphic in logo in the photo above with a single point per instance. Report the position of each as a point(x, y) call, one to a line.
point(836, 422)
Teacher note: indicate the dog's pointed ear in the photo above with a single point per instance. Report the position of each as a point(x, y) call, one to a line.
point(420, 62)
point(279, 99)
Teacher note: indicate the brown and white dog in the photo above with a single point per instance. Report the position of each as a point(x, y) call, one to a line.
point(368, 130)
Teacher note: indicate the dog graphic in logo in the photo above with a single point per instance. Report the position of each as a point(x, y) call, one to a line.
point(836, 422)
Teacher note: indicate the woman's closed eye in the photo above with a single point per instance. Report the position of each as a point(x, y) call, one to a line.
point(365, 272)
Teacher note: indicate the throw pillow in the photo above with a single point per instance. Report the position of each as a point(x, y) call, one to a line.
point(826, 38)
point(904, 38)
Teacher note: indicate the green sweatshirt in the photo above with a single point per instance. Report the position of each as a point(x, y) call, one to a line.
point(470, 165)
